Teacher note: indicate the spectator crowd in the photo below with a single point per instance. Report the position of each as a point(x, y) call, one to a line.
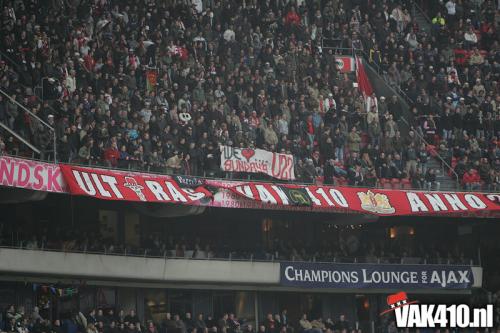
point(15, 320)
point(107, 321)
point(160, 85)
point(344, 245)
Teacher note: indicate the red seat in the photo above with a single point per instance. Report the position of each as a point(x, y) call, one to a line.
point(395, 182)
point(405, 184)
point(341, 181)
point(320, 180)
point(385, 183)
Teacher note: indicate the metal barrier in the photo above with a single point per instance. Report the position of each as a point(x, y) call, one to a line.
point(440, 158)
point(233, 256)
point(42, 122)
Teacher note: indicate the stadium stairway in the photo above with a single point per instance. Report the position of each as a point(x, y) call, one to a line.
point(35, 151)
point(423, 21)
point(382, 88)
point(448, 182)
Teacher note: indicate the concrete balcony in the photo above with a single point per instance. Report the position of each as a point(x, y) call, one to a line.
point(115, 270)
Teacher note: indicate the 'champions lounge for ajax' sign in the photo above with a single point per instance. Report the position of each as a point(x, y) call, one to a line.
point(375, 276)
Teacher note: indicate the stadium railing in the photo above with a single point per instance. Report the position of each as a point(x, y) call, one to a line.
point(233, 176)
point(249, 257)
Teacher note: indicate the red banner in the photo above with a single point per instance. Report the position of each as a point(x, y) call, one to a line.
point(373, 201)
point(364, 84)
point(134, 186)
point(118, 185)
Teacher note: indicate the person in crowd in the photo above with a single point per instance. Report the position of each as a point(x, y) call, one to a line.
point(234, 324)
point(306, 326)
point(200, 325)
point(189, 322)
point(471, 180)
point(131, 317)
point(285, 322)
point(431, 180)
point(211, 324)
point(270, 324)
point(343, 324)
point(180, 326)
point(169, 323)
point(223, 324)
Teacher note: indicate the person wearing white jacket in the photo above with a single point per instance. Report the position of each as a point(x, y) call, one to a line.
point(70, 82)
point(470, 38)
point(371, 101)
point(329, 103)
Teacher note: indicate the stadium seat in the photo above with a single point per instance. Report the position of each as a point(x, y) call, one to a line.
point(395, 183)
point(406, 183)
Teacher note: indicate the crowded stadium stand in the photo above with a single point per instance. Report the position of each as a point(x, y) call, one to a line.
point(180, 166)
point(160, 87)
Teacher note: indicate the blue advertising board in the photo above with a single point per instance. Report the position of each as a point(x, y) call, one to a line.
point(375, 276)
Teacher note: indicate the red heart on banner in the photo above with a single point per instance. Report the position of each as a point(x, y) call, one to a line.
point(247, 153)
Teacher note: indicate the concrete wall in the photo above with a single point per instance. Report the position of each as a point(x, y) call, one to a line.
point(137, 268)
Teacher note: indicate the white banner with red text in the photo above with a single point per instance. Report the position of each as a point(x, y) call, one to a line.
point(276, 165)
point(31, 175)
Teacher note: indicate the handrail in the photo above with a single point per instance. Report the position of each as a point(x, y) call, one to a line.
point(20, 138)
point(402, 93)
point(458, 189)
point(26, 110)
point(437, 154)
point(395, 89)
point(415, 6)
point(230, 257)
point(11, 61)
point(54, 136)
point(15, 64)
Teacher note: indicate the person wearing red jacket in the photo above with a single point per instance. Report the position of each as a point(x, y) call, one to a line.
point(471, 180)
point(292, 18)
point(111, 155)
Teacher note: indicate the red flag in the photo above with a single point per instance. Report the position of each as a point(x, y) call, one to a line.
point(345, 64)
point(364, 84)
